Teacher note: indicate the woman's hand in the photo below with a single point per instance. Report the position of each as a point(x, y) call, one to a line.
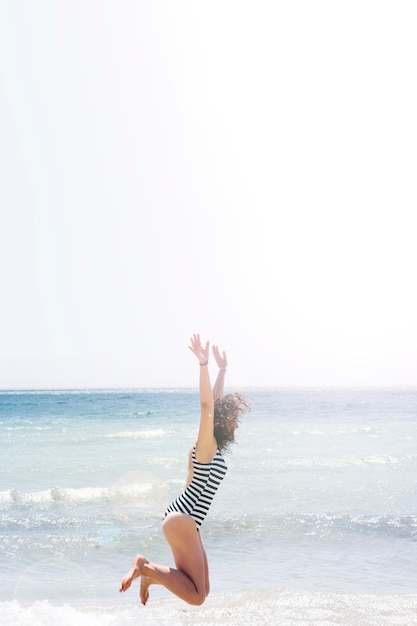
point(196, 348)
point(221, 360)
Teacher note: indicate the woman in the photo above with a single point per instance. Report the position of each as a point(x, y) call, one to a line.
point(206, 468)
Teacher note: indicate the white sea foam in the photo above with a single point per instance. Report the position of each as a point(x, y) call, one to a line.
point(255, 607)
point(140, 487)
point(378, 459)
point(53, 495)
point(154, 433)
point(6, 498)
point(331, 462)
point(337, 430)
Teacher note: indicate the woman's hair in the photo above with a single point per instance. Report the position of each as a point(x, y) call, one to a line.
point(227, 408)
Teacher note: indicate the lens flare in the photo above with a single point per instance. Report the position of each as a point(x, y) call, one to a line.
point(138, 498)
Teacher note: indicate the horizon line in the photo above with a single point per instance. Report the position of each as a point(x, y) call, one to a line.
point(195, 387)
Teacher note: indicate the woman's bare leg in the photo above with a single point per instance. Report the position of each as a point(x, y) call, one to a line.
point(145, 582)
point(206, 569)
point(188, 581)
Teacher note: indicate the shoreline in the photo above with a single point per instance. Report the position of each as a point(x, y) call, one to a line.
point(255, 607)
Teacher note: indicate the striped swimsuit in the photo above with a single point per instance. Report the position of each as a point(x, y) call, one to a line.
point(195, 500)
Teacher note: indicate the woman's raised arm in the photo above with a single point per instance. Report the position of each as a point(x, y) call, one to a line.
point(221, 360)
point(206, 443)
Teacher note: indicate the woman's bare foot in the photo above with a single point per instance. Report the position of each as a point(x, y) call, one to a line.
point(134, 573)
point(145, 581)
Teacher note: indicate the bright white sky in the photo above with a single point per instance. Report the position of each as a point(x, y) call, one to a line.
point(242, 169)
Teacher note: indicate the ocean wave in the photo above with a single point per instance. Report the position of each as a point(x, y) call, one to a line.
point(333, 462)
point(53, 495)
point(322, 525)
point(335, 431)
point(259, 607)
point(143, 488)
point(154, 433)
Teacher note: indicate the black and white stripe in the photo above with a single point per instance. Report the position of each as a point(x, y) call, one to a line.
point(197, 497)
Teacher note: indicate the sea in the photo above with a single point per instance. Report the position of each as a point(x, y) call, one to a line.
point(314, 524)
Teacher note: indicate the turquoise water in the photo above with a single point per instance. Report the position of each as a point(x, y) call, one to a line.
point(319, 502)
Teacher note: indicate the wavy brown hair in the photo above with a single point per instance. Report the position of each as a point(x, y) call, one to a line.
point(227, 408)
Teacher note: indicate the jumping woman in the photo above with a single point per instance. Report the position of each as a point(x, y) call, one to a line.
point(189, 580)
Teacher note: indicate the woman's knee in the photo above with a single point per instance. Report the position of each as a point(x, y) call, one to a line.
point(198, 599)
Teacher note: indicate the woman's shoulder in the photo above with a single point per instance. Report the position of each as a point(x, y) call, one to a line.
point(204, 454)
